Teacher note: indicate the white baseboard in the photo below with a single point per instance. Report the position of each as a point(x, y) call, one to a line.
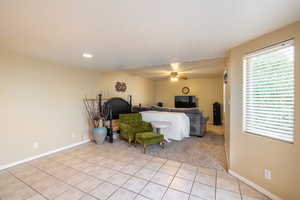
point(227, 158)
point(255, 186)
point(42, 155)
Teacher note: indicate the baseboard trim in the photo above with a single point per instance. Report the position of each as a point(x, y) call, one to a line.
point(227, 159)
point(43, 154)
point(255, 186)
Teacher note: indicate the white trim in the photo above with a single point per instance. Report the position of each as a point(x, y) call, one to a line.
point(43, 154)
point(255, 186)
point(227, 157)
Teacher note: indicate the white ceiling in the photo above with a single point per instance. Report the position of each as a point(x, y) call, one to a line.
point(136, 33)
point(196, 69)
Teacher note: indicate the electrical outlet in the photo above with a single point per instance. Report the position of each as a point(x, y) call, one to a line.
point(268, 174)
point(36, 145)
point(73, 135)
point(84, 135)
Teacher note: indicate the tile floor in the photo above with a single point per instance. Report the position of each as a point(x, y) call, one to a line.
point(91, 172)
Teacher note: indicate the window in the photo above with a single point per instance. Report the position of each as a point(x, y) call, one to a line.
point(268, 92)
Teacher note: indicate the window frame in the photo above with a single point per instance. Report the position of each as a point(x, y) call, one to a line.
point(264, 50)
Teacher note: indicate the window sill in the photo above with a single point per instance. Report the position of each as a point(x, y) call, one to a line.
point(269, 137)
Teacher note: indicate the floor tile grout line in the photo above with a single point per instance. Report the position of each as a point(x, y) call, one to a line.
point(171, 181)
point(51, 176)
point(68, 151)
point(159, 183)
point(141, 167)
point(216, 184)
point(232, 191)
point(240, 189)
point(27, 186)
point(197, 171)
point(102, 181)
point(113, 193)
point(69, 184)
point(148, 181)
point(157, 171)
point(126, 182)
point(81, 156)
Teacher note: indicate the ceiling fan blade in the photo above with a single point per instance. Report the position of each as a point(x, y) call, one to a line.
point(207, 63)
point(182, 76)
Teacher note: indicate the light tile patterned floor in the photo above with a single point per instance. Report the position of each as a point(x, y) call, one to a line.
point(90, 172)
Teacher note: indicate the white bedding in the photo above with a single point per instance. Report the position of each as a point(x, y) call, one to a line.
point(180, 127)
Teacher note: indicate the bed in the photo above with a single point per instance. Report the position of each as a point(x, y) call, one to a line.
point(110, 110)
point(180, 123)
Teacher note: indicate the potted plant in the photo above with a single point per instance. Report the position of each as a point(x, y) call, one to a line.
point(99, 131)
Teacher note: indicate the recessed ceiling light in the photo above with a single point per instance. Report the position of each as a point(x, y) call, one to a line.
point(87, 55)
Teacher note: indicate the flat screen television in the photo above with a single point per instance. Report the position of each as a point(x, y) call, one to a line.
point(185, 102)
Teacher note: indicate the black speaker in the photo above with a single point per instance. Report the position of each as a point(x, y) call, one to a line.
point(217, 114)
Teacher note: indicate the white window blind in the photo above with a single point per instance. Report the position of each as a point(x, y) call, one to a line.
point(268, 92)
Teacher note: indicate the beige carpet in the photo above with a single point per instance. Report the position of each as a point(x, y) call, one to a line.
point(207, 151)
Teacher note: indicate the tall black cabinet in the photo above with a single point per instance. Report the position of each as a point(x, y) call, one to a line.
point(217, 114)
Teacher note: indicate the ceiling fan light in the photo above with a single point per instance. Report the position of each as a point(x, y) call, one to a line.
point(87, 55)
point(174, 78)
point(175, 66)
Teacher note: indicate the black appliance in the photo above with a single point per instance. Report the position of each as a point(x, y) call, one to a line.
point(217, 114)
point(185, 102)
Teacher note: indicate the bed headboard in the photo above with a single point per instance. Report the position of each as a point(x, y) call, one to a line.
point(117, 106)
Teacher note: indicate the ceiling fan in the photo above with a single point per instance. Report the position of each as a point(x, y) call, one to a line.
point(175, 75)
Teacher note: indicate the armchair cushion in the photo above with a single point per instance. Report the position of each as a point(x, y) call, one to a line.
point(145, 127)
point(131, 124)
point(127, 131)
point(131, 119)
point(147, 138)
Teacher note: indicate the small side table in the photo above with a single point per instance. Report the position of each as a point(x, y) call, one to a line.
point(159, 125)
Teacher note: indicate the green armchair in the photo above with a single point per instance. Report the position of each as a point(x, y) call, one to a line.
point(131, 124)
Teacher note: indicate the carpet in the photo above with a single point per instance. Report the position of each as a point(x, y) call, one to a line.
point(207, 151)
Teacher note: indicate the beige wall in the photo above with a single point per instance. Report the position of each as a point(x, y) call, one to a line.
point(141, 89)
point(208, 91)
point(42, 102)
point(251, 154)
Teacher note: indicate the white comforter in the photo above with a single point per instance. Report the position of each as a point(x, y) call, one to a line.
point(180, 127)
